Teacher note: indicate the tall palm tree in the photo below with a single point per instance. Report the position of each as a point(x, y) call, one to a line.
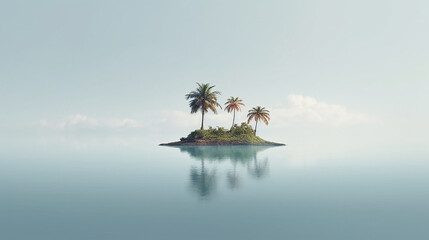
point(259, 114)
point(203, 98)
point(233, 104)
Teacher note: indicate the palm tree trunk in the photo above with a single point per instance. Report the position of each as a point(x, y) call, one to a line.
point(202, 120)
point(233, 119)
point(256, 126)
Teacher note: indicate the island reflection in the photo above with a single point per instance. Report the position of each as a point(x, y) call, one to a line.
point(203, 179)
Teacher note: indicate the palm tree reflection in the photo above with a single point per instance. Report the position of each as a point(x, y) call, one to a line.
point(258, 168)
point(232, 177)
point(203, 179)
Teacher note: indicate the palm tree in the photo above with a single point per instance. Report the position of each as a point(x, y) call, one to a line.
point(203, 99)
point(259, 114)
point(233, 104)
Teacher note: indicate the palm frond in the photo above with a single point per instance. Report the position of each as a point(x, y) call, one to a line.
point(259, 114)
point(233, 103)
point(203, 98)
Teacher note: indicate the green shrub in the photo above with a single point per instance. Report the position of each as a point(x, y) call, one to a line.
point(243, 129)
point(243, 133)
point(197, 134)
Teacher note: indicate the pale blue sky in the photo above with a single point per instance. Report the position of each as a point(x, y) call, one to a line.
point(133, 59)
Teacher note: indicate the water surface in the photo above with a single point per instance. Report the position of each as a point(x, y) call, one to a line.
point(118, 190)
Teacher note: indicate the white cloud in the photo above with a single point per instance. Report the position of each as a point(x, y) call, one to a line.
point(305, 111)
point(185, 119)
point(176, 118)
point(79, 121)
point(297, 111)
point(166, 120)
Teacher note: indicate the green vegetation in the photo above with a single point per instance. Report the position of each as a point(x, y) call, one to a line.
point(204, 99)
point(237, 134)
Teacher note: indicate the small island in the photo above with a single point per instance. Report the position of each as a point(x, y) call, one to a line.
point(204, 99)
point(237, 135)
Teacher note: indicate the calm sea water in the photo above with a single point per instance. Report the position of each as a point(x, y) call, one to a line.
point(61, 189)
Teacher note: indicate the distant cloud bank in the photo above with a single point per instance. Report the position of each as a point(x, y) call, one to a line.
point(301, 110)
point(298, 110)
point(81, 121)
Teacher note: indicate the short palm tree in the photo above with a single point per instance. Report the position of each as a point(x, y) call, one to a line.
point(203, 98)
point(259, 114)
point(233, 104)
